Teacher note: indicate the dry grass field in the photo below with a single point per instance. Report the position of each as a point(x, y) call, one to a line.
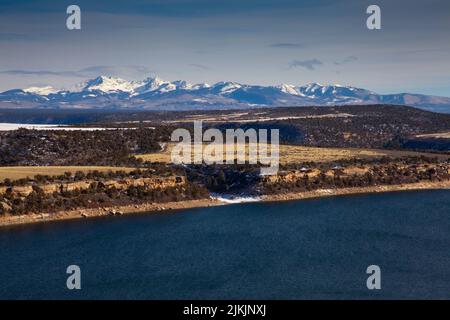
point(15, 173)
point(295, 154)
point(288, 154)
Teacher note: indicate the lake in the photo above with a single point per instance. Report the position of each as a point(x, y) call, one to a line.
point(309, 249)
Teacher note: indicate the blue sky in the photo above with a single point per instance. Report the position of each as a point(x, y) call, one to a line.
point(264, 42)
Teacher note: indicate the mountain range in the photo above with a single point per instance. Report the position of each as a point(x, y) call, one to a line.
point(106, 92)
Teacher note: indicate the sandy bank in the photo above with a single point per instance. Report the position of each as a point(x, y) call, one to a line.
point(362, 190)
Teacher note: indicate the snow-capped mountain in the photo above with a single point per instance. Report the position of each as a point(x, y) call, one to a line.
point(106, 85)
point(43, 91)
point(154, 93)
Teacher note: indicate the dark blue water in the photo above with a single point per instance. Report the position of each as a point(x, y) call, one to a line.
point(313, 249)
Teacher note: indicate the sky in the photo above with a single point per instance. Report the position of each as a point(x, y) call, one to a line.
point(265, 42)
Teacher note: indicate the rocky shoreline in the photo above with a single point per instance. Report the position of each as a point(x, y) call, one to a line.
point(172, 206)
point(320, 193)
point(107, 211)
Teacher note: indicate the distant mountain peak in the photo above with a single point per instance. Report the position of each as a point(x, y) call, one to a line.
point(43, 91)
point(289, 89)
point(156, 93)
point(105, 84)
point(224, 87)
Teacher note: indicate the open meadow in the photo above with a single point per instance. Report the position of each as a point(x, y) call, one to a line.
point(21, 172)
point(296, 154)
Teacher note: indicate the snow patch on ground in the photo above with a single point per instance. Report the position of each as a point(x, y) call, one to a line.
point(16, 126)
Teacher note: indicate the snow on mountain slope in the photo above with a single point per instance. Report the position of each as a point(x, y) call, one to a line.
point(106, 85)
point(43, 91)
point(289, 89)
point(225, 87)
point(149, 85)
point(155, 93)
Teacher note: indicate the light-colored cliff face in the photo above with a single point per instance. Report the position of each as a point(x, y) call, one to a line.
point(290, 176)
point(295, 175)
point(150, 183)
point(19, 190)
